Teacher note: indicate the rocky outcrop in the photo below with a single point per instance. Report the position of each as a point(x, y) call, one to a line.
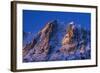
point(29, 47)
point(69, 35)
point(38, 49)
point(52, 44)
point(68, 45)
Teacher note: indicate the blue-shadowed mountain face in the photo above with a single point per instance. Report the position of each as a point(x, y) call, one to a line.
point(57, 41)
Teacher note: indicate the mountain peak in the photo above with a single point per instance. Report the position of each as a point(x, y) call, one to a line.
point(72, 22)
point(51, 43)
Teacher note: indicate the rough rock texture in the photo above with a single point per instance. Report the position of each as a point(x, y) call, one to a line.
point(74, 44)
point(54, 43)
point(68, 45)
point(39, 47)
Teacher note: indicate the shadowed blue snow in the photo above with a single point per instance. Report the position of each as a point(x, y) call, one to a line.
point(34, 21)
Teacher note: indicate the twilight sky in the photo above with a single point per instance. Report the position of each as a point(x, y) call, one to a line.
point(33, 20)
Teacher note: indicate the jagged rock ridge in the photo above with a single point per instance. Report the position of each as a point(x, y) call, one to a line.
point(51, 44)
point(38, 49)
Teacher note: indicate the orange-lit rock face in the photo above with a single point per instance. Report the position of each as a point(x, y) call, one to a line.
point(46, 46)
point(68, 47)
point(67, 38)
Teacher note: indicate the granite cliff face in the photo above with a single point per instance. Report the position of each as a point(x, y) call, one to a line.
point(38, 49)
point(52, 44)
point(68, 43)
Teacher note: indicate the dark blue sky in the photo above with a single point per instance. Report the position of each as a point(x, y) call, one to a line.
point(33, 21)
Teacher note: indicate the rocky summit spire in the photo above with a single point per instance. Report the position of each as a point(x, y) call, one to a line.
point(70, 33)
point(38, 49)
point(52, 44)
point(67, 44)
